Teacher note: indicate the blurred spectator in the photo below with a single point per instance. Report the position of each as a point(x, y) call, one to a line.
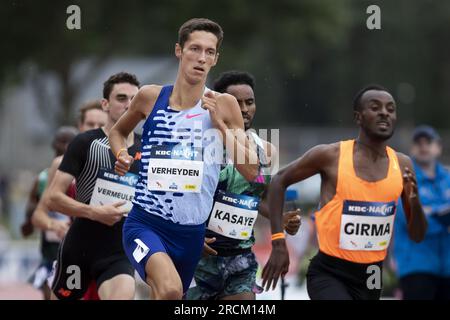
point(424, 268)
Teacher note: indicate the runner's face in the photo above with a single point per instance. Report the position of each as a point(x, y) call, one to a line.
point(246, 98)
point(426, 151)
point(378, 114)
point(198, 56)
point(93, 119)
point(119, 100)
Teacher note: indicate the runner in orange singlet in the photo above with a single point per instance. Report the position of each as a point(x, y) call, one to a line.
point(362, 180)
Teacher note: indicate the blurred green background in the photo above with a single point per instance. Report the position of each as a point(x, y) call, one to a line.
point(309, 57)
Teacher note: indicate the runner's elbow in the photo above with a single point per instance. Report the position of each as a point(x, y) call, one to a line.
point(118, 132)
point(35, 219)
point(53, 200)
point(277, 182)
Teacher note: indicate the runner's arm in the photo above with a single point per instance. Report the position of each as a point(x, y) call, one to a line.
point(59, 201)
point(33, 199)
point(312, 162)
point(270, 151)
point(272, 158)
point(236, 142)
point(108, 214)
point(41, 218)
point(291, 219)
point(72, 165)
point(140, 107)
point(415, 217)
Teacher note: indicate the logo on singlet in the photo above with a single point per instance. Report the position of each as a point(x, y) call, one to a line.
point(173, 186)
point(190, 116)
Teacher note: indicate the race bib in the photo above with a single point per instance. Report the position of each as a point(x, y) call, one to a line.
point(233, 215)
point(175, 169)
point(366, 226)
point(110, 188)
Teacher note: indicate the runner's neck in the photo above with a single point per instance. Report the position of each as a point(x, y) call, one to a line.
point(377, 149)
point(184, 95)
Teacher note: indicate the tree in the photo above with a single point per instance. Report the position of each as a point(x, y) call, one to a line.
point(309, 57)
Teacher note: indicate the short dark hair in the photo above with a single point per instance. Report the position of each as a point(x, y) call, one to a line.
point(357, 99)
point(121, 77)
point(90, 105)
point(230, 78)
point(200, 24)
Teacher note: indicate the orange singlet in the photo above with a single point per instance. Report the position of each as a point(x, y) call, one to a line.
point(357, 224)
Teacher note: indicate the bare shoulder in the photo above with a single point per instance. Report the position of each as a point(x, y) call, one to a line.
point(404, 161)
point(225, 97)
point(145, 99)
point(228, 106)
point(149, 92)
point(328, 151)
point(324, 157)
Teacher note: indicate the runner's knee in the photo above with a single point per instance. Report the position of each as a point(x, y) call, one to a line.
point(169, 290)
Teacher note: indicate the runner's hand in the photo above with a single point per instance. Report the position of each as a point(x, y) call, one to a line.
point(292, 221)
point(27, 228)
point(410, 184)
point(109, 214)
point(123, 163)
point(209, 102)
point(207, 250)
point(59, 227)
point(278, 264)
